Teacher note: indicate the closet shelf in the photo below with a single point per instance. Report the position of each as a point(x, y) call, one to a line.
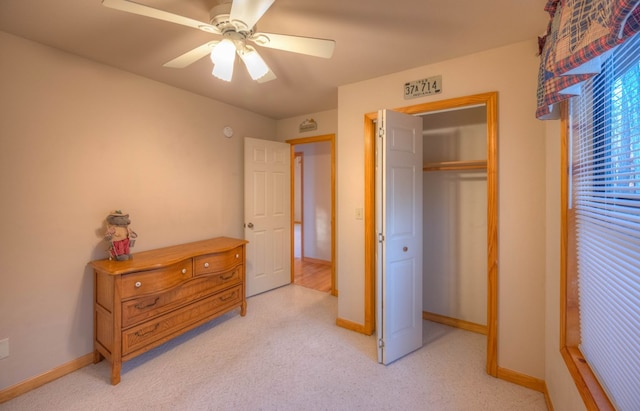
point(455, 165)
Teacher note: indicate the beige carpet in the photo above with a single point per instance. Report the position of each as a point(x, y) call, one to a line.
point(288, 354)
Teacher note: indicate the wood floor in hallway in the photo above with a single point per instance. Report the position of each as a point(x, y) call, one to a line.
point(312, 274)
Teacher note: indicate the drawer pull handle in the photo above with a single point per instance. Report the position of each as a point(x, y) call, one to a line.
point(184, 271)
point(237, 255)
point(206, 265)
point(228, 297)
point(142, 334)
point(227, 277)
point(141, 306)
point(138, 284)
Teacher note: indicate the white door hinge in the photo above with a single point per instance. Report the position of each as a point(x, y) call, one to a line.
point(380, 237)
point(380, 343)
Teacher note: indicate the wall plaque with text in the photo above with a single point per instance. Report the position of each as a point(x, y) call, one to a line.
point(423, 87)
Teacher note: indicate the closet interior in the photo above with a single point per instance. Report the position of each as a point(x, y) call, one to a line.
point(455, 217)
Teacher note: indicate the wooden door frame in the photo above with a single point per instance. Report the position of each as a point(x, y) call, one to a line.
point(319, 139)
point(490, 101)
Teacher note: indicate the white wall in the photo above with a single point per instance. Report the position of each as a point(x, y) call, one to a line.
point(77, 140)
point(512, 72)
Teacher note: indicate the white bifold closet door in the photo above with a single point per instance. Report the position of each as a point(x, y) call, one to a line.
point(399, 230)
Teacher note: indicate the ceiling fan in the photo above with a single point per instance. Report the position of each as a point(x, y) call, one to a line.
point(235, 22)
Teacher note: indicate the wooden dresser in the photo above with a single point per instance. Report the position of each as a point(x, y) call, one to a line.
point(160, 294)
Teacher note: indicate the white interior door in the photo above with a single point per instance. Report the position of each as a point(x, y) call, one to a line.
point(267, 214)
point(399, 229)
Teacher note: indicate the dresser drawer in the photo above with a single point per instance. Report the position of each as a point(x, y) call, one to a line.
point(153, 281)
point(164, 327)
point(142, 308)
point(212, 263)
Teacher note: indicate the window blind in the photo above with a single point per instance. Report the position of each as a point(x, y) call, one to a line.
point(605, 195)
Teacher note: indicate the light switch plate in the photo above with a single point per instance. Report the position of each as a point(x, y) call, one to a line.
point(4, 348)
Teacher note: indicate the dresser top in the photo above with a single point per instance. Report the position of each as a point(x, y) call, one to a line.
point(162, 257)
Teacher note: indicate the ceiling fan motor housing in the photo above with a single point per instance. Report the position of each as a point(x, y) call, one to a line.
point(220, 18)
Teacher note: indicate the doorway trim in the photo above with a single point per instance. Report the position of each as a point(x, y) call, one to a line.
point(318, 139)
point(490, 101)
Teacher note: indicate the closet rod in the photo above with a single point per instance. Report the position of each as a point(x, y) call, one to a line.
point(456, 165)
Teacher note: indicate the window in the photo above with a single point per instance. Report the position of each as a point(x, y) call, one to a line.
point(601, 338)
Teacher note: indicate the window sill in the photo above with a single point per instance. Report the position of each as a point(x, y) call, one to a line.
point(590, 389)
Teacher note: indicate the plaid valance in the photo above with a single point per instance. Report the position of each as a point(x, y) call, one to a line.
point(580, 34)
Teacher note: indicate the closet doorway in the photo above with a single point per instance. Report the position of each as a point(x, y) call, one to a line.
point(313, 212)
point(488, 105)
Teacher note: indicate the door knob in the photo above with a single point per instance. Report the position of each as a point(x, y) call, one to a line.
point(250, 225)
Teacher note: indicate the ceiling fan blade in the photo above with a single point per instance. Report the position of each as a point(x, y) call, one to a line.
point(296, 44)
point(192, 56)
point(249, 11)
point(142, 10)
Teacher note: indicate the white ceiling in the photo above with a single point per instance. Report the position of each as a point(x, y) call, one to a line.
point(373, 38)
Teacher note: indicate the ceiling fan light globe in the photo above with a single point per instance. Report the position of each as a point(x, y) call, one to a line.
point(223, 71)
point(223, 52)
point(256, 66)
